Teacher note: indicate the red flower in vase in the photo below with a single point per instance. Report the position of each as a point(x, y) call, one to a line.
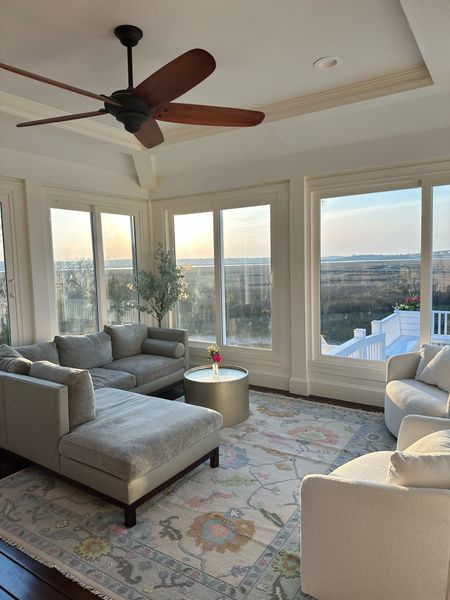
point(217, 358)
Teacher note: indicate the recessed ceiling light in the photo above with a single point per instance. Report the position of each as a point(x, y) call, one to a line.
point(327, 62)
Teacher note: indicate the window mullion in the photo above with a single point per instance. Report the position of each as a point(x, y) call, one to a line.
point(219, 275)
point(99, 268)
point(426, 283)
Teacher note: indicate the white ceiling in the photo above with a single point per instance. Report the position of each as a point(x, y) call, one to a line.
point(394, 78)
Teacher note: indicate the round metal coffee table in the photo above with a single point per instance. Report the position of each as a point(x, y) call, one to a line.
point(227, 393)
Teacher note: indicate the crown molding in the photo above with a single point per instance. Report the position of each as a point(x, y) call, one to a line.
point(377, 87)
point(403, 81)
point(30, 110)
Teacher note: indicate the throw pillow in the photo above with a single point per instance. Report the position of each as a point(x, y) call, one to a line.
point(420, 470)
point(127, 339)
point(427, 353)
point(439, 441)
point(19, 365)
point(40, 351)
point(12, 362)
point(79, 385)
point(437, 372)
point(84, 351)
point(163, 348)
point(8, 351)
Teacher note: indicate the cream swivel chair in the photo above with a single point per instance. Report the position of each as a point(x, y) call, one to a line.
point(365, 539)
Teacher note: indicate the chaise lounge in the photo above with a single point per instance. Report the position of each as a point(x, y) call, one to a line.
point(121, 444)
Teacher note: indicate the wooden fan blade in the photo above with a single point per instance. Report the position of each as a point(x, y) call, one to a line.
point(198, 114)
point(176, 78)
point(150, 134)
point(85, 115)
point(63, 86)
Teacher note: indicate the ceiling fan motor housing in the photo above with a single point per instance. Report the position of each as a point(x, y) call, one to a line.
point(133, 112)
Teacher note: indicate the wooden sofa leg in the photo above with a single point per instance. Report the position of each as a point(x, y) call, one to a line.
point(214, 460)
point(130, 516)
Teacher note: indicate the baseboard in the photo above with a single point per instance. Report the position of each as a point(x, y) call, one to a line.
point(358, 394)
point(299, 386)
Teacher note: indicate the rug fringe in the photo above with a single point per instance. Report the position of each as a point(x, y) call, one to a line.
point(24, 548)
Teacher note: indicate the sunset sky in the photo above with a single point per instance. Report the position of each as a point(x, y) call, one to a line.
point(246, 233)
point(378, 223)
point(382, 223)
point(72, 238)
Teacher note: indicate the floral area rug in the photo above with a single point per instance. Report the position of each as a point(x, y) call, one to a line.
point(231, 532)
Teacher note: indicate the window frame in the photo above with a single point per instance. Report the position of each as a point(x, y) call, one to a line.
point(424, 177)
point(96, 204)
point(273, 195)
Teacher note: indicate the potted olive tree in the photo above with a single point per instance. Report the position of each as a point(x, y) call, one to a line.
point(160, 290)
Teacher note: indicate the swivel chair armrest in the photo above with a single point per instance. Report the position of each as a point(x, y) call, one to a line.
point(402, 366)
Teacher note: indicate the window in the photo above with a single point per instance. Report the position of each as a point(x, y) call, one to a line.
point(370, 268)
point(440, 327)
point(119, 267)
point(228, 252)
point(93, 280)
point(5, 330)
point(247, 268)
point(73, 254)
point(194, 247)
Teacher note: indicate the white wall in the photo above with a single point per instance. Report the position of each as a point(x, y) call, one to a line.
point(365, 384)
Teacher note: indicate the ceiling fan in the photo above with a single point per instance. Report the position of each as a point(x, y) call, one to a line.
point(138, 108)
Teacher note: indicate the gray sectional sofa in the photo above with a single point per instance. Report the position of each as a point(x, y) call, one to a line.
point(127, 357)
point(71, 406)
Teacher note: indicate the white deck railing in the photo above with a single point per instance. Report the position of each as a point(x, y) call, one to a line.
point(400, 326)
point(369, 347)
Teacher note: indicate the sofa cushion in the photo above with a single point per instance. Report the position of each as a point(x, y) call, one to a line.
point(137, 433)
point(163, 348)
point(79, 385)
point(412, 469)
point(437, 371)
point(417, 398)
point(372, 467)
point(105, 378)
point(126, 339)
point(12, 362)
point(84, 351)
point(40, 351)
point(427, 353)
point(147, 367)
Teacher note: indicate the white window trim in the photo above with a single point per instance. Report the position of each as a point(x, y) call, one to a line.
point(95, 204)
point(15, 234)
point(424, 176)
point(275, 195)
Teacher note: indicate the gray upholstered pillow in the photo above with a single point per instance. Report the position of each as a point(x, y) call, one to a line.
point(80, 389)
point(40, 351)
point(163, 348)
point(12, 362)
point(84, 351)
point(15, 364)
point(8, 351)
point(127, 339)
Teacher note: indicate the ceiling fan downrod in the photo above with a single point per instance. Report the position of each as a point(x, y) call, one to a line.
point(129, 36)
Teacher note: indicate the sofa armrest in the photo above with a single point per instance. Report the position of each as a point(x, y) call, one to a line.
point(172, 335)
point(402, 366)
point(414, 427)
point(394, 538)
point(36, 417)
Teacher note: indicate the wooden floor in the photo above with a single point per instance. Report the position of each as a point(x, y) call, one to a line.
point(22, 578)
